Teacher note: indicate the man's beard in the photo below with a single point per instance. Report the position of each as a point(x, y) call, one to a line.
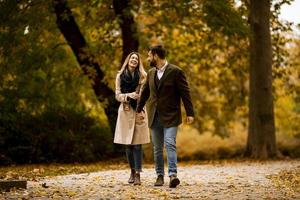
point(153, 63)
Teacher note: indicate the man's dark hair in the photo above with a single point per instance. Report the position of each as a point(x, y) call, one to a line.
point(159, 50)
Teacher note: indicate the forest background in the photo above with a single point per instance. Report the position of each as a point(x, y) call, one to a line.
point(59, 59)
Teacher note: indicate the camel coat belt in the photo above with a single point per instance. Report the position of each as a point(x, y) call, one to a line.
point(129, 129)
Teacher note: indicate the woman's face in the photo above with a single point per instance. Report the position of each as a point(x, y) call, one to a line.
point(133, 61)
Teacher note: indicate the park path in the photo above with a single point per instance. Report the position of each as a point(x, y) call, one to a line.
point(237, 180)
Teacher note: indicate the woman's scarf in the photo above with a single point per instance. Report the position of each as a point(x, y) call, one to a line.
point(129, 84)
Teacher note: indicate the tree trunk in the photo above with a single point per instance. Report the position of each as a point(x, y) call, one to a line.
point(261, 142)
point(122, 9)
point(128, 26)
point(69, 28)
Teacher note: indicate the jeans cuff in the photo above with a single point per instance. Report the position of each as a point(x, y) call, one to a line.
point(172, 174)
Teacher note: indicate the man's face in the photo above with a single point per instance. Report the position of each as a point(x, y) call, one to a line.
point(151, 59)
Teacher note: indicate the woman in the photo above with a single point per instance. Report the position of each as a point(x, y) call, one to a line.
point(130, 130)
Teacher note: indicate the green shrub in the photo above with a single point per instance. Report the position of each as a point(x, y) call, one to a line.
point(56, 135)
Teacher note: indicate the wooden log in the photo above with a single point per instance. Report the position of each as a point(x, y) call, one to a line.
point(6, 185)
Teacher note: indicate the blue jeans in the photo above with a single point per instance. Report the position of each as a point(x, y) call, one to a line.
point(134, 156)
point(161, 136)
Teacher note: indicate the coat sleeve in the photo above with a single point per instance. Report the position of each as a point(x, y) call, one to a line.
point(184, 91)
point(121, 97)
point(144, 95)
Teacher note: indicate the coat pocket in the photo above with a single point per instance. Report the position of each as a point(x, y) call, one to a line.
point(126, 106)
point(140, 119)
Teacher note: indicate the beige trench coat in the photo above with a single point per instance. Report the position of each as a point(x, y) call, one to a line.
point(129, 130)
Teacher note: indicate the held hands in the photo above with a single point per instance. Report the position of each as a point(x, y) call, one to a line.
point(133, 95)
point(189, 119)
point(140, 115)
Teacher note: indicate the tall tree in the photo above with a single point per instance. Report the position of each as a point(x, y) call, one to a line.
point(261, 133)
point(90, 66)
point(128, 26)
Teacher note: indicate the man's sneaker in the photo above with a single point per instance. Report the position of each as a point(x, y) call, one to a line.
point(174, 181)
point(159, 181)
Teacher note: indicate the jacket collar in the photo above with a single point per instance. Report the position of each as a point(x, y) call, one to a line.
point(165, 75)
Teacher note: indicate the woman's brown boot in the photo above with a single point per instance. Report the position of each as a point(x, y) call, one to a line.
point(131, 178)
point(137, 179)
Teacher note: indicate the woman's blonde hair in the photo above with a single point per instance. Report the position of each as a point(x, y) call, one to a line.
point(140, 66)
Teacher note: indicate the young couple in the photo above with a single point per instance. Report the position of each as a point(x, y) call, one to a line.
point(163, 89)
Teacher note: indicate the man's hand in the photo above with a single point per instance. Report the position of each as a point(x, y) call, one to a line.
point(189, 119)
point(140, 115)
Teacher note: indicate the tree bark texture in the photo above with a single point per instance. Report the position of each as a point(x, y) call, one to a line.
point(261, 142)
point(70, 30)
point(122, 10)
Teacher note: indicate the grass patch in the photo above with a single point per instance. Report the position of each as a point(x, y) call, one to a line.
point(194, 146)
point(37, 171)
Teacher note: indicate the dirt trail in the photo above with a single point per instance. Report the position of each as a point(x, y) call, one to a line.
point(246, 180)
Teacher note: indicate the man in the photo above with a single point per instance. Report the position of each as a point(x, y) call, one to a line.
point(165, 86)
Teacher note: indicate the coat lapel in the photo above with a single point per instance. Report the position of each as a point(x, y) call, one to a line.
point(152, 81)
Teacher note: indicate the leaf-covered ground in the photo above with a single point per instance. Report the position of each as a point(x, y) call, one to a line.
point(289, 180)
point(218, 180)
